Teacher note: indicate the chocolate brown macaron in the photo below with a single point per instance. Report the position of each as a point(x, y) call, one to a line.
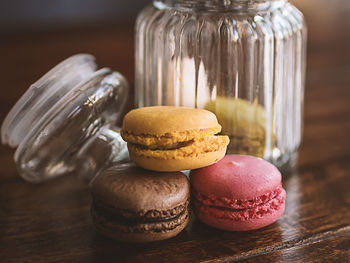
point(135, 205)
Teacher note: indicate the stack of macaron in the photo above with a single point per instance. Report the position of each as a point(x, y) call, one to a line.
point(148, 200)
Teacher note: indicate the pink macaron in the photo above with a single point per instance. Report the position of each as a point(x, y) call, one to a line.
point(238, 193)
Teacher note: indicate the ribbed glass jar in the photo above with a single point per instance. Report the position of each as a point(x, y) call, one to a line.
point(242, 59)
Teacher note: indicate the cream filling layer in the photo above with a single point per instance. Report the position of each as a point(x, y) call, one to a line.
point(205, 144)
point(171, 138)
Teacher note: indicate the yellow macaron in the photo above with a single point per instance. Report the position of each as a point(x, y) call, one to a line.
point(166, 138)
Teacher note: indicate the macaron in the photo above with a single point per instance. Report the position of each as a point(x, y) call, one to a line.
point(165, 138)
point(134, 205)
point(238, 193)
point(245, 123)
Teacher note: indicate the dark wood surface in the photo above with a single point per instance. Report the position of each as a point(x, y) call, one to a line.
point(51, 222)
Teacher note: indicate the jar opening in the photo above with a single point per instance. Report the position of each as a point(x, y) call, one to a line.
point(217, 5)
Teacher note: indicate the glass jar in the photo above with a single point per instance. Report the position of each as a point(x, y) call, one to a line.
point(65, 121)
point(242, 59)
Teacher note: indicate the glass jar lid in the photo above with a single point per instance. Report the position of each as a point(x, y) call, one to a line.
point(43, 94)
point(65, 121)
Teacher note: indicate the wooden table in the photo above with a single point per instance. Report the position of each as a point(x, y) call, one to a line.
point(51, 222)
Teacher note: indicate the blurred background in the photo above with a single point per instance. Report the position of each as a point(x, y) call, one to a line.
point(39, 15)
point(58, 26)
point(25, 15)
point(37, 34)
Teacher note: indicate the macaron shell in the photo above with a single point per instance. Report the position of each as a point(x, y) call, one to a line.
point(236, 177)
point(135, 189)
point(140, 237)
point(159, 120)
point(136, 237)
point(250, 224)
point(185, 163)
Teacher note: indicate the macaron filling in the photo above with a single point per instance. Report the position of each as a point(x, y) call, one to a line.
point(142, 215)
point(169, 138)
point(126, 221)
point(240, 210)
point(205, 144)
point(173, 146)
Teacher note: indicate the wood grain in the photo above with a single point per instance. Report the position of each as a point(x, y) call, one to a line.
point(54, 219)
point(331, 250)
point(51, 222)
